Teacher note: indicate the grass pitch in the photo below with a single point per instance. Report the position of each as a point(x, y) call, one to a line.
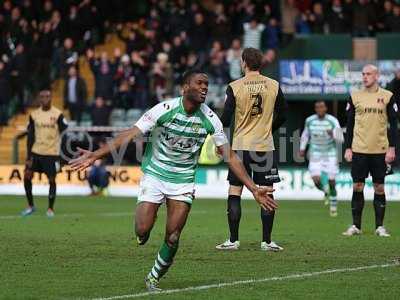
point(87, 251)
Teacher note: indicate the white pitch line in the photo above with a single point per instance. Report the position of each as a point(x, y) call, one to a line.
point(251, 281)
point(74, 215)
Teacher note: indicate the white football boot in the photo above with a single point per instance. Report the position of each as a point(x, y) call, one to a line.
point(271, 246)
point(352, 230)
point(228, 245)
point(381, 231)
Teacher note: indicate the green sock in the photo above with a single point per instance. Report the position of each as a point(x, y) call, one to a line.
point(163, 260)
point(325, 184)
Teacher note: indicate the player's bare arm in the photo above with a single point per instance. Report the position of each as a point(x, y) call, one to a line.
point(260, 193)
point(87, 158)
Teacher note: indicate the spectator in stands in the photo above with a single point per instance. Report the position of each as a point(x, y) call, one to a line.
point(302, 23)
point(98, 177)
point(393, 21)
point(133, 42)
point(216, 49)
point(73, 23)
point(198, 36)
point(161, 82)
point(218, 70)
point(317, 19)
point(103, 70)
point(64, 57)
point(124, 97)
point(252, 34)
point(75, 94)
point(233, 57)
point(221, 25)
point(4, 89)
point(289, 15)
point(270, 36)
point(384, 16)
point(100, 113)
point(124, 69)
point(141, 80)
point(46, 41)
point(193, 61)
point(363, 19)
point(18, 76)
point(336, 17)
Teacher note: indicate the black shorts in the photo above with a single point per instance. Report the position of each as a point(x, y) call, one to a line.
point(261, 167)
point(48, 164)
point(364, 164)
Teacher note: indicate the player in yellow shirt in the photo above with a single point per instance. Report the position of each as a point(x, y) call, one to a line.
point(45, 128)
point(370, 146)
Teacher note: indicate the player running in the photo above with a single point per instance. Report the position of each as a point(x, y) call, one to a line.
point(322, 133)
point(178, 129)
point(45, 127)
point(370, 146)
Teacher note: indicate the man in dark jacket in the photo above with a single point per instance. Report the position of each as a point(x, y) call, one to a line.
point(75, 94)
point(4, 91)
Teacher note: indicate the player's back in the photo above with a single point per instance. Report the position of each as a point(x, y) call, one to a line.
point(255, 97)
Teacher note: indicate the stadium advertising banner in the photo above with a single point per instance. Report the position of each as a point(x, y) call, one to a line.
point(329, 77)
point(296, 184)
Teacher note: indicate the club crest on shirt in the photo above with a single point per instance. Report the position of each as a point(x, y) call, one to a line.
point(196, 127)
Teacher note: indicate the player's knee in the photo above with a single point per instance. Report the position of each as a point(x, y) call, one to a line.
point(317, 180)
point(173, 238)
point(379, 188)
point(358, 186)
point(142, 233)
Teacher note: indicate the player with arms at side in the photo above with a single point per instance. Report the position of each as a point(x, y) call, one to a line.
point(257, 104)
point(322, 133)
point(178, 129)
point(45, 128)
point(370, 146)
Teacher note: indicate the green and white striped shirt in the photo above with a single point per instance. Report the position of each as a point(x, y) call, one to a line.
point(176, 139)
point(315, 133)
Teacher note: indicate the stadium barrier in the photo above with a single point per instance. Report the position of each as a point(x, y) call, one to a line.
point(211, 182)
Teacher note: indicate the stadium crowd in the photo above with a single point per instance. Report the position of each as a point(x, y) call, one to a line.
point(42, 40)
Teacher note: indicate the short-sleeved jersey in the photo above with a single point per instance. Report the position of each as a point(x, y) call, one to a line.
point(255, 101)
point(176, 139)
point(47, 127)
point(371, 121)
point(315, 134)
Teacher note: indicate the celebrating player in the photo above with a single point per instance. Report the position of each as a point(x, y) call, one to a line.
point(322, 132)
point(178, 129)
point(45, 127)
point(370, 146)
point(258, 106)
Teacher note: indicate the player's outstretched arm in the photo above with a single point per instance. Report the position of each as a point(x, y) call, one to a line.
point(87, 158)
point(260, 193)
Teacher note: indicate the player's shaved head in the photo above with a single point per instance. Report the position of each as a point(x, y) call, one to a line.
point(370, 75)
point(370, 68)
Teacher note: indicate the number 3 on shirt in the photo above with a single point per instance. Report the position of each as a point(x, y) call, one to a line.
point(256, 108)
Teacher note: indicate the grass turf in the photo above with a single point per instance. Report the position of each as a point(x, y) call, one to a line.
point(88, 251)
